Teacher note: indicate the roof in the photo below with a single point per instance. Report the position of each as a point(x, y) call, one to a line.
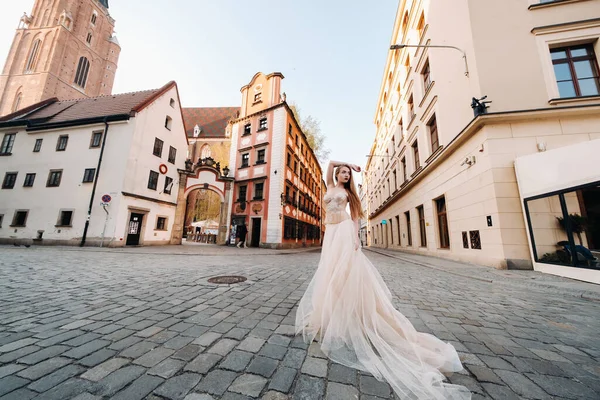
point(211, 120)
point(53, 112)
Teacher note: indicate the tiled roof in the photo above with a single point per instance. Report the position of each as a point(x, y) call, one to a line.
point(53, 111)
point(211, 120)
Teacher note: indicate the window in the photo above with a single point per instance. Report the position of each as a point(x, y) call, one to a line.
point(93, 20)
point(88, 39)
point(65, 218)
point(81, 75)
point(258, 97)
point(465, 239)
point(408, 228)
point(172, 103)
point(61, 144)
point(158, 146)
point(290, 130)
point(96, 139)
point(395, 180)
point(475, 240)
point(89, 174)
point(398, 229)
point(289, 160)
point(295, 167)
point(576, 71)
point(247, 129)
point(172, 154)
point(168, 122)
point(168, 185)
point(206, 151)
point(245, 160)
point(7, 144)
point(422, 226)
point(403, 162)
point(29, 179)
point(415, 148)
point(262, 124)
point(9, 180)
point(153, 180)
point(20, 218)
point(54, 177)
point(258, 191)
point(1, 219)
point(411, 108)
point(433, 134)
point(161, 224)
point(426, 75)
point(260, 156)
point(440, 205)
point(242, 193)
point(33, 56)
point(17, 103)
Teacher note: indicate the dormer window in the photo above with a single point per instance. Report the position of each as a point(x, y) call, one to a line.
point(258, 97)
point(172, 103)
point(197, 131)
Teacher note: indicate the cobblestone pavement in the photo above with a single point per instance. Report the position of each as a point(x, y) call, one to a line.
point(146, 324)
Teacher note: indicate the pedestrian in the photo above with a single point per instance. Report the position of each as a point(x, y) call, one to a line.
point(242, 232)
point(197, 236)
point(348, 309)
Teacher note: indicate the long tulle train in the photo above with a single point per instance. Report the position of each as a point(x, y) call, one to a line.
point(348, 309)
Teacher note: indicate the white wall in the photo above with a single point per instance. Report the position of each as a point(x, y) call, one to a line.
point(276, 176)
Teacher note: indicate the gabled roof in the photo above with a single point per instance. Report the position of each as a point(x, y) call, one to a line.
point(55, 113)
point(211, 120)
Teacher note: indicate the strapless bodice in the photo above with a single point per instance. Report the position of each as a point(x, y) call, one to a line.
point(335, 207)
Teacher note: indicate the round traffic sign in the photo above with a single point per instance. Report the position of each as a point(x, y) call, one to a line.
point(106, 198)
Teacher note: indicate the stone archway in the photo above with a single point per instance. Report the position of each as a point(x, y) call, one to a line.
point(205, 174)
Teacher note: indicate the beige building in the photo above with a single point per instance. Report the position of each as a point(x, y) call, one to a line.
point(64, 49)
point(441, 174)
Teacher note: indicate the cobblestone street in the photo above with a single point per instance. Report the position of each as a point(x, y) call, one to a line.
point(145, 324)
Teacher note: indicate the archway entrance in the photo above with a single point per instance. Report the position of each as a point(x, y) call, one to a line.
point(208, 189)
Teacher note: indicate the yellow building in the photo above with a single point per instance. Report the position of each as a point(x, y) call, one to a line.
point(441, 176)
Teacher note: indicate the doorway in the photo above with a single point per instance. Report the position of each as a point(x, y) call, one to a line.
point(255, 242)
point(134, 229)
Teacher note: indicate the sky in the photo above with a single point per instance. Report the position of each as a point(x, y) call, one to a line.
point(331, 52)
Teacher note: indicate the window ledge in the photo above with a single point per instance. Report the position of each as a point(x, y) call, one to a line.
point(5, 154)
point(161, 230)
point(434, 154)
point(244, 167)
point(246, 134)
point(568, 100)
point(417, 171)
point(261, 129)
point(551, 4)
point(260, 163)
point(17, 226)
point(63, 226)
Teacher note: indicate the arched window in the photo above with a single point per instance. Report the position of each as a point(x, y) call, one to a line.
point(33, 56)
point(89, 38)
point(82, 72)
point(17, 103)
point(206, 151)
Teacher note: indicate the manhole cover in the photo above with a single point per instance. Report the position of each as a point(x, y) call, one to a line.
point(227, 280)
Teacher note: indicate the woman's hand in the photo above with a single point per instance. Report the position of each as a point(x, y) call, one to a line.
point(355, 167)
point(356, 245)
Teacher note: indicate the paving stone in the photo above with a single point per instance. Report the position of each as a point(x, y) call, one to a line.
point(315, 367)
point(125, 343)
point(98, 357)
point(10, 369)
point(77, 324)
point(19, 353)
point(198, 396)
point(203, 363)
point(62, 337)
point(10, 383)
point(20, 394)
point(549, 355)
point(150, 331)
point(86, 349)
point(484, 374)
point(56, 377)
point(342, 374)
point(17, 344)
point(106, 368)
point(43, 354)
point(223, 347)
point(45, 367)
point(236, 333)
point(272, 395)
point(314, 350)
point(248, 385)
point(263, 366)
point(138, 349)
point(288, 330)
point(152, 358)
point(207, 339)
point(117, 380)
point(87, 396)
point(120, 334)
point(309, 388)
point(178, 387)
point(372, 386)
point(167, 368)
point(216, 382)
point(521, 385)
point(500, 392)
point(279, 340)
point(562, 387)
point(178, 342)
point(273, 351)
point(162, 337)
point(188, 352)
point(81, 339)
point(236, 360)
point(67, 390)
point(337, 391)
point(294, 358)
point(251, 344)
point(139, 389)
point(283, 379)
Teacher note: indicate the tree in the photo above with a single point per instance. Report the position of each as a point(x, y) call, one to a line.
point(578, 225)
point(312, 129)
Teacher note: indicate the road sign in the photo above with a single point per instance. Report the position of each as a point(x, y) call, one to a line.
point(106, 198)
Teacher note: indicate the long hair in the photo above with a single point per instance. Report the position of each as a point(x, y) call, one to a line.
point(355, 207)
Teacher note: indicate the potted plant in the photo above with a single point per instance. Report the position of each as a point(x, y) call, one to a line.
point(578, 224)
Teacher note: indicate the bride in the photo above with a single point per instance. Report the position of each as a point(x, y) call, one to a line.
point(348, 309)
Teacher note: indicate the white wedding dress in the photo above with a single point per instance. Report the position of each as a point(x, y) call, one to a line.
point(348, 309)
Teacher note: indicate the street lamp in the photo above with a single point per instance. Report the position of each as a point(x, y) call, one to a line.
point(401, 46)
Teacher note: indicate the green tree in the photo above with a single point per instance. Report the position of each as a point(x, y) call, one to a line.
point(312, 129)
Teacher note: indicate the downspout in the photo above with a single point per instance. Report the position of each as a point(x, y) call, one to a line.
point(87, 220)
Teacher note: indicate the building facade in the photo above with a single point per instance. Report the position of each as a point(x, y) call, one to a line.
point(114, 161)
point(442, 167)
point(65, 49)
point(278, 179)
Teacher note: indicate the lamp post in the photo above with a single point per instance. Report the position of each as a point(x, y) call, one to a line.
point(401, 46)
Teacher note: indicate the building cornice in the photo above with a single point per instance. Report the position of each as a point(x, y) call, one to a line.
point(584, 23)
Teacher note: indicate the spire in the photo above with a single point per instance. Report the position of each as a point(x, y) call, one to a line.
point(104, 3)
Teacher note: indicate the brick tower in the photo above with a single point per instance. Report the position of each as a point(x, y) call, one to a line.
point(64, 49)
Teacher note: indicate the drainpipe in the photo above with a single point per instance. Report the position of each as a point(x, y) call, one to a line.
point(87, 220)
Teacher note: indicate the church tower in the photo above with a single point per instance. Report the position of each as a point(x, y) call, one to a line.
point(65, 49)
